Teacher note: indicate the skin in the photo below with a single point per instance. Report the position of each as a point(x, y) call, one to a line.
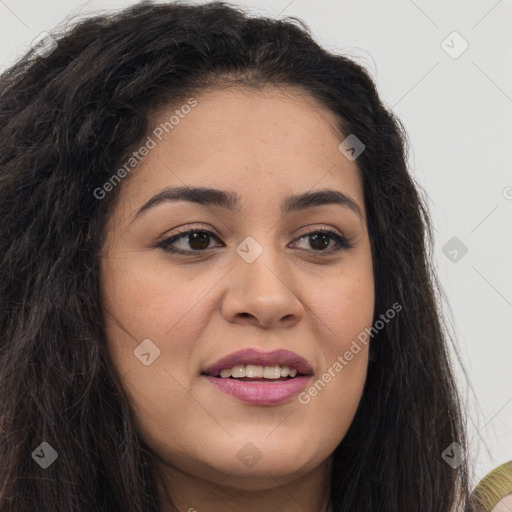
point(264, 145)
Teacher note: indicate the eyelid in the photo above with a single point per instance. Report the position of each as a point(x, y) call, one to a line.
point(315, 228)
point(180, 230)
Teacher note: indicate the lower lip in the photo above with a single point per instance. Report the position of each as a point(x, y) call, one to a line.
point(260, 393)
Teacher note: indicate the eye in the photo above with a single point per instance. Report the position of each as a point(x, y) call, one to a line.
point(321, 239)
point(199, 240)
point(194, 240)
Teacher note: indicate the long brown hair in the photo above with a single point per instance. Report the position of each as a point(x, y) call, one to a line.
point(68, 119)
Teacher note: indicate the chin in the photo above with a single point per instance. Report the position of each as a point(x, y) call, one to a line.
point(252, 468)
point(262, 476)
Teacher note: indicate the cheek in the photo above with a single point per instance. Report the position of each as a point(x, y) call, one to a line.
point(344, 310)
point(344, 305)
point(152, 300)
point(333, 396)
point(144, 302)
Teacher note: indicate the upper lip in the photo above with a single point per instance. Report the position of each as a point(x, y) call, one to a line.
point(256, 357)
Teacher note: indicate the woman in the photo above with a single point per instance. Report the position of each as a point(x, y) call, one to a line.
point(215, 278)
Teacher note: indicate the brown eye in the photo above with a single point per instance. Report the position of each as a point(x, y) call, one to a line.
point(199, 240)
point(188, 241)
point(320, 240)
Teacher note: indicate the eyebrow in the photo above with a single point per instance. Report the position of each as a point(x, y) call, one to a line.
point(232, 202)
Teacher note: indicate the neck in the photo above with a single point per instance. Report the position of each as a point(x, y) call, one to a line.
point(309, 492)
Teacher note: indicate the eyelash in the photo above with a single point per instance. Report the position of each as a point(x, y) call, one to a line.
point(166, 244)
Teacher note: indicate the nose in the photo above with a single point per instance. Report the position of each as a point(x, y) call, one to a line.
point(261, 293)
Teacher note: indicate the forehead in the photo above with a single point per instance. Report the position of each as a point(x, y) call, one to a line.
point(253, 120)
point(271, 141)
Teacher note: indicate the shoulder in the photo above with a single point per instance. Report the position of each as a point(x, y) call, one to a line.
point(494, 492)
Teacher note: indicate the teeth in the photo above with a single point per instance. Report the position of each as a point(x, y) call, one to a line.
point(238, 371)
point(272, 372)
point(255, 372)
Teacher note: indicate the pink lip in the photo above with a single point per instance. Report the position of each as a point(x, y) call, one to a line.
point(260, 393)
point(251, 356)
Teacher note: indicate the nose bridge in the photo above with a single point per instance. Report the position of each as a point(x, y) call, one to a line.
point(260, 286)
point(260, 261)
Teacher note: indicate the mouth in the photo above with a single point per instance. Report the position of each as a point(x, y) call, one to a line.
point(260, 378)
point(253, 372)
point(251, 363)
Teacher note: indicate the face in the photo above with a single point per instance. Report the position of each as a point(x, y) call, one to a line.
point(273, 279)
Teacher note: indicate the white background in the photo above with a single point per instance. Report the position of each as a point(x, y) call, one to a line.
point(458, 114)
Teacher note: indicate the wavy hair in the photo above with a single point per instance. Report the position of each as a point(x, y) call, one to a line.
point(68, 119)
